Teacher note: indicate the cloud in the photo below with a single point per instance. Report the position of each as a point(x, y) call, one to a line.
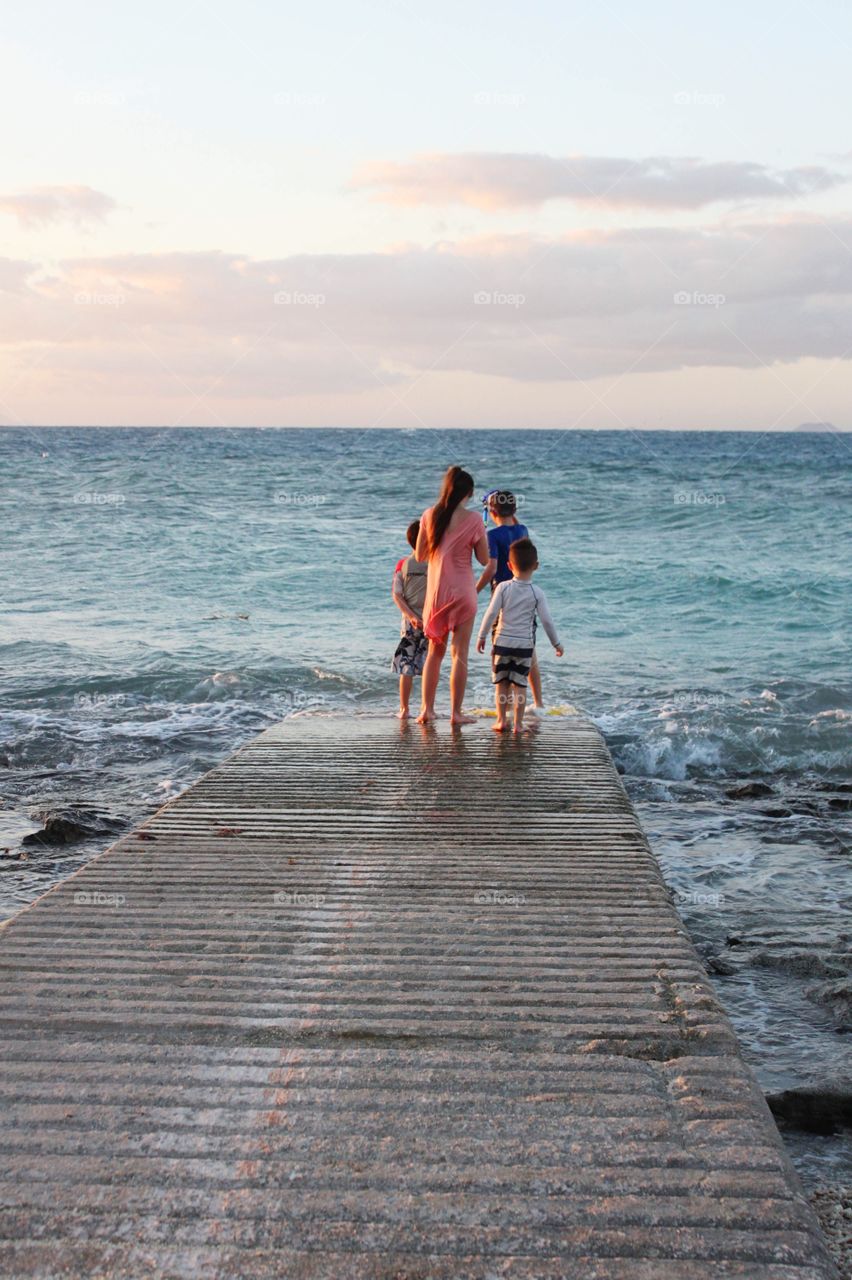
point(41, 206)
point(505, 181)
point(229, 327)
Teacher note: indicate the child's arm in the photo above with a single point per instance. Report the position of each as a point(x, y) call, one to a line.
point(401, 602)
point(490, 615)
point(547, 622)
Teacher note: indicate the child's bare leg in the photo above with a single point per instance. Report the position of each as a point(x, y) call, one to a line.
point(405, 683)
point(501, 701)
point(519, 702)
point(458, 673)
point(431, 672)
point(535, 682)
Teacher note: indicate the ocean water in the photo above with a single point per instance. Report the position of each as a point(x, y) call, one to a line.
point(166, 594)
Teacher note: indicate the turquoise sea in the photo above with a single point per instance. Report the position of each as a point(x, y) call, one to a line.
point(165, 594)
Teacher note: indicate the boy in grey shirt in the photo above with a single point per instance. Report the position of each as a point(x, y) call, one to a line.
point(516, 604)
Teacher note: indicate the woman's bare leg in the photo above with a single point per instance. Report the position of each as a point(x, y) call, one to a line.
point(458, 673)
point(535, 682)
point(431, 672)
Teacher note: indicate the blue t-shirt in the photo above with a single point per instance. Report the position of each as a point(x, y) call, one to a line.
point(499, 542)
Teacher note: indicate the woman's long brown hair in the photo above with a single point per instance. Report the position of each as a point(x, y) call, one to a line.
point(457, 486)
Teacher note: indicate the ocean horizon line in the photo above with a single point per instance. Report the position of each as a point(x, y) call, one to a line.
point(804, 429)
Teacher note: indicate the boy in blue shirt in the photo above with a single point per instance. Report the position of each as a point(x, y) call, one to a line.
point(502, 507)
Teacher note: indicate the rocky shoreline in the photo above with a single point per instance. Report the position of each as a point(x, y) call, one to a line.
point(833, 1207)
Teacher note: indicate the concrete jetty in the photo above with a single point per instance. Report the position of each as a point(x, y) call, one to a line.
point(372, 1000)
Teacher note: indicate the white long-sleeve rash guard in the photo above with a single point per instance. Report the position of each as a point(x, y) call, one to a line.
point(517, 603)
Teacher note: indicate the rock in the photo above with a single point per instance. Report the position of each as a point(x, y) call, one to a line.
point(833, 1205)
point(716, 964)
point(803, 961)
point(5, 762)
point(72, 825)
point(749, 791)
point(776, 812)
point(836, 997)
point(814, 1109)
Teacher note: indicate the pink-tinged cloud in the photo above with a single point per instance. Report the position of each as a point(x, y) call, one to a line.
point(41, 206)
point(511, 181)
point(234, 329)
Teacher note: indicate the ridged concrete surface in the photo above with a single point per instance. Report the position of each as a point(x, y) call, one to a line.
point(371, 1000)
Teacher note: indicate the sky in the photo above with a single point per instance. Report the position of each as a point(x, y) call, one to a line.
point(596, 215)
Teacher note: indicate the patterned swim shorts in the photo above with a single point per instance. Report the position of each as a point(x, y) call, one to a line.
point(410, 652)
point(510, 664)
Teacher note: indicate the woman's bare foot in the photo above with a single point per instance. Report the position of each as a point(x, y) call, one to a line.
point(403, 713)
point(500, 726)
point(426, 715)
point(462, 719)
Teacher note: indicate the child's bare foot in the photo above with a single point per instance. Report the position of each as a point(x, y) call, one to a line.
point(532, 727)
point(426, 715)
point(403, 713)
point(462, 719)
point(500, 726)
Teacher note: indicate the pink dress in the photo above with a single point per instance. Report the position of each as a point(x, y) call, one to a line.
point(451, 586)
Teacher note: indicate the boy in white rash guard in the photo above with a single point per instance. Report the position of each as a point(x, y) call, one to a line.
point(516, 604)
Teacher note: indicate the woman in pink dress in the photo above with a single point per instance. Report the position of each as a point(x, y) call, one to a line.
point(448, 535)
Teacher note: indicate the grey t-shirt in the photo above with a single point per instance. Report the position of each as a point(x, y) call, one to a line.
point(410, 583)
point(518, 603)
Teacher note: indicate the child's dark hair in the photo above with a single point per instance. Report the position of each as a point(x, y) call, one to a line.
point(502, 503)
point(411, 533)
point(523, 555)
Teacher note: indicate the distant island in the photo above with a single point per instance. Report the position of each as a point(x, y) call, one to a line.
point(819, 426)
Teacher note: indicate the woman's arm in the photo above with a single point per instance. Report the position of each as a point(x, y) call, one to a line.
point(487, 574)
point(480, 550)
point(421, 551)
point(490, 617)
